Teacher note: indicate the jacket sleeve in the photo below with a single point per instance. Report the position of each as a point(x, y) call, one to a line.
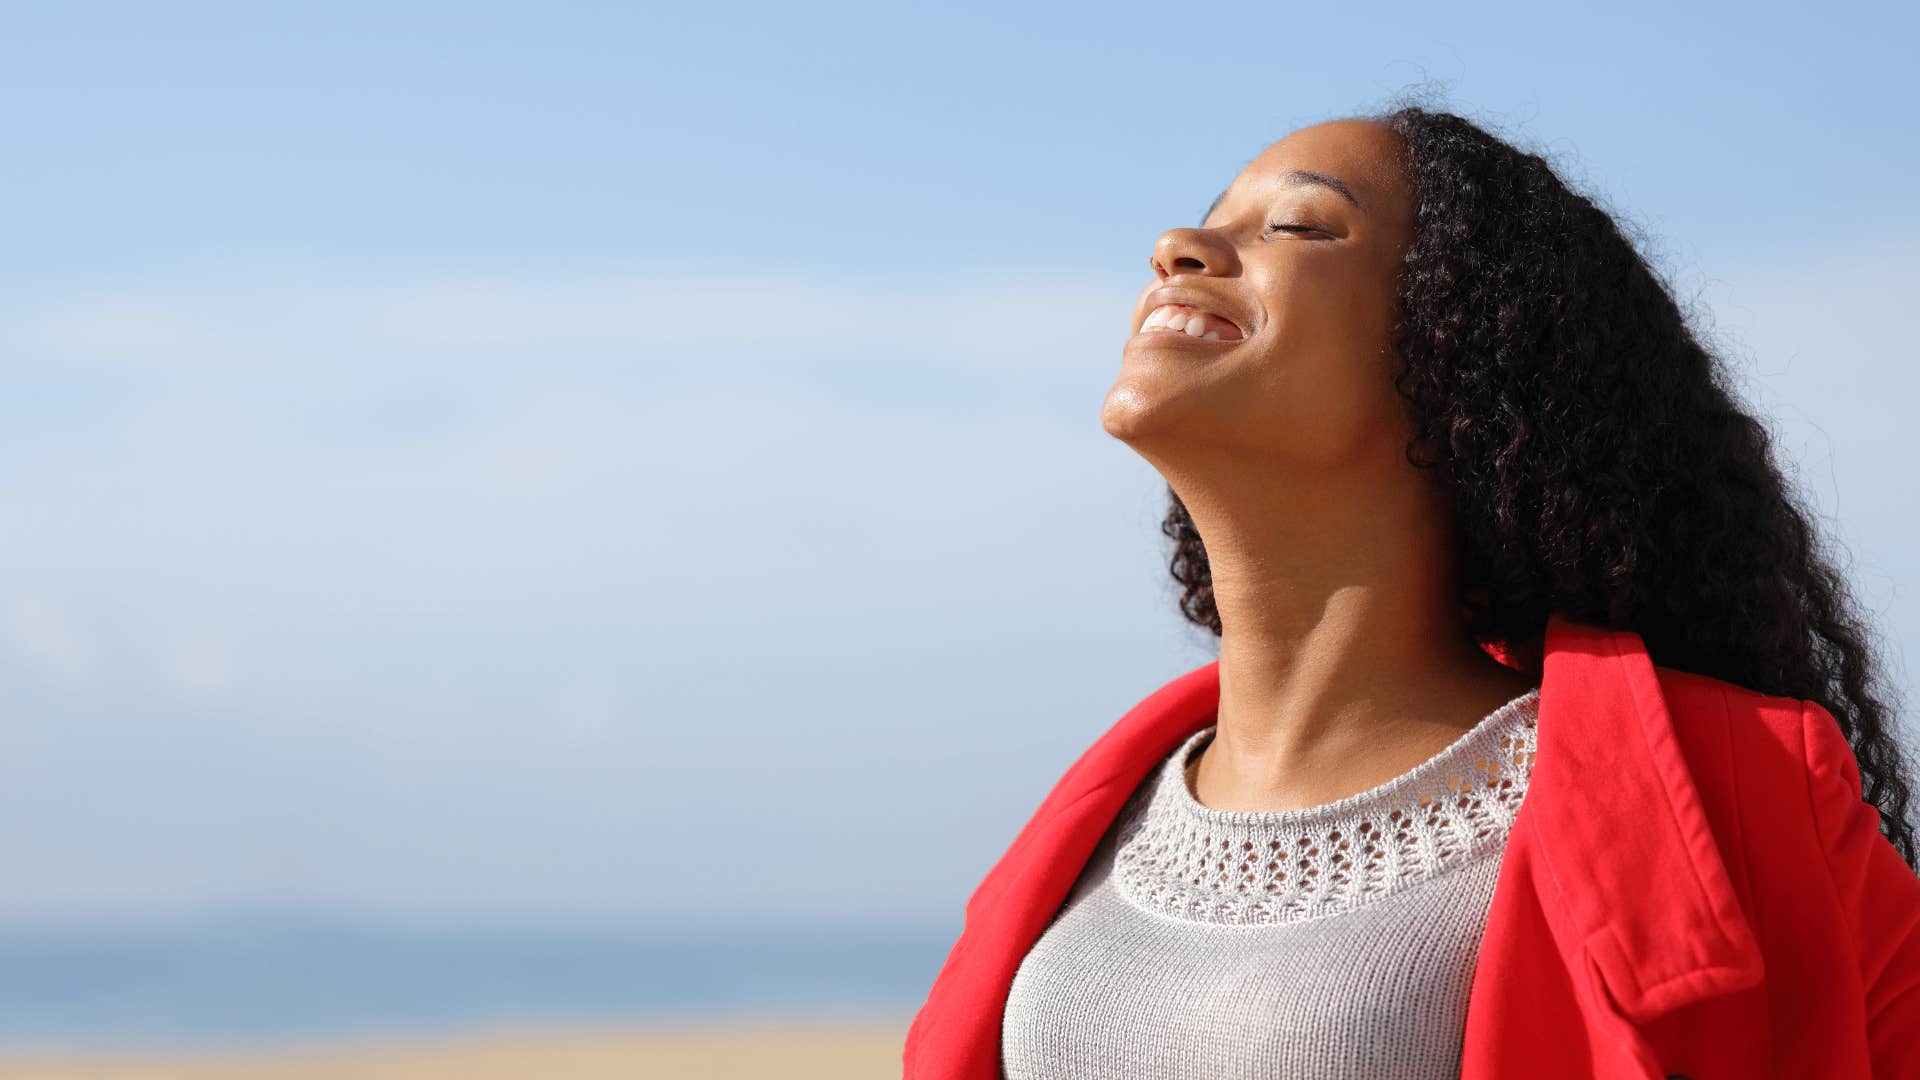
point(1879, 893)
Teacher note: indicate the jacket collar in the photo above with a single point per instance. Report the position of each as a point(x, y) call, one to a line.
point(1630, 854)
point(1629, 875)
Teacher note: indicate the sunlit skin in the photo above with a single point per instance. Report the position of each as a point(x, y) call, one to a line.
point(1343, 661)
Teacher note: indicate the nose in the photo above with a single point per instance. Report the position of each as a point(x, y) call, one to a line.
point(1196, 251)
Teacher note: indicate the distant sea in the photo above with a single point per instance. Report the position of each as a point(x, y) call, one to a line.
point(267, 980)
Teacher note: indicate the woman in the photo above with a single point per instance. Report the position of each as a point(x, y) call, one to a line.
point(1541, 725)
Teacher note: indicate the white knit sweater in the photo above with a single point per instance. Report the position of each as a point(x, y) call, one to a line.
point(1332, 941)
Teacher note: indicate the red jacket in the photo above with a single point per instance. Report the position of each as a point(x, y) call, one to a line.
point(1694, 885)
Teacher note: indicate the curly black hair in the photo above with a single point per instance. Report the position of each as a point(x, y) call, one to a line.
point(1598, 464)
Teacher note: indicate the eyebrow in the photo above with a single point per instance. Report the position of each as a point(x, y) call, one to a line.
point(1294, 178)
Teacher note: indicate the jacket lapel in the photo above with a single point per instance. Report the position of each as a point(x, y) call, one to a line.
point(1612, 811)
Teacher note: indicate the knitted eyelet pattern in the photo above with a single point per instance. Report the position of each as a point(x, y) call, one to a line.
point(1182, 859)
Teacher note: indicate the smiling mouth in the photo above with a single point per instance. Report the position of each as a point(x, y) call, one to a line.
point(1183, 321)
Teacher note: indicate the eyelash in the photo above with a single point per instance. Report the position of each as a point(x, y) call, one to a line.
point(1293, 228)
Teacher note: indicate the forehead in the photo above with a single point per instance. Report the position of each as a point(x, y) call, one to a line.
point(1361, 157)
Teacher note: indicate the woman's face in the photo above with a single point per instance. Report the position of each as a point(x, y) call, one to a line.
point(1302, 254)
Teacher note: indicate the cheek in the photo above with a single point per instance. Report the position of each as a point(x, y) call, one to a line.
point(1320, 387)
point(1333, 297)
point(1324, 404)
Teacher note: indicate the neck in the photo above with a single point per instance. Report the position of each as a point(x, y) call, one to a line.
point(1343, 651)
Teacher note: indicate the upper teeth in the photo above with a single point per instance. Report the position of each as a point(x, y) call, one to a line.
point(1177, 317)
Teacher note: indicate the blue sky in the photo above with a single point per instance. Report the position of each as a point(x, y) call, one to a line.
point(561, 461)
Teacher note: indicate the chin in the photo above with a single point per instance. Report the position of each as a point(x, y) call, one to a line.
point(1132, 412)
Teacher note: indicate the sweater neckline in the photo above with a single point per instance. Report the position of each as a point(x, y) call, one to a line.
point(1179, 857)
point(1414, 781)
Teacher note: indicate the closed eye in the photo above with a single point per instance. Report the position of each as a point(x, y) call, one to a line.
point(1294, 228)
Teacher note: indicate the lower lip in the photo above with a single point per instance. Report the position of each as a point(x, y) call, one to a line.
point(1177, 336)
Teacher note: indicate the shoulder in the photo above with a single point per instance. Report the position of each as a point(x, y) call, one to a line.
point(1754, 755)
point(1714, 717)
point(1717, 721)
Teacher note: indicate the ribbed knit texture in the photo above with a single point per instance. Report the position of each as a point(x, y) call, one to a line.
point(1333, 941)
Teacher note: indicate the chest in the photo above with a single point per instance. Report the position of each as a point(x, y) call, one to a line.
point(1115, 988)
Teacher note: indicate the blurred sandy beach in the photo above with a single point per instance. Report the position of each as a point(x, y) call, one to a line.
point(849, 1049)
